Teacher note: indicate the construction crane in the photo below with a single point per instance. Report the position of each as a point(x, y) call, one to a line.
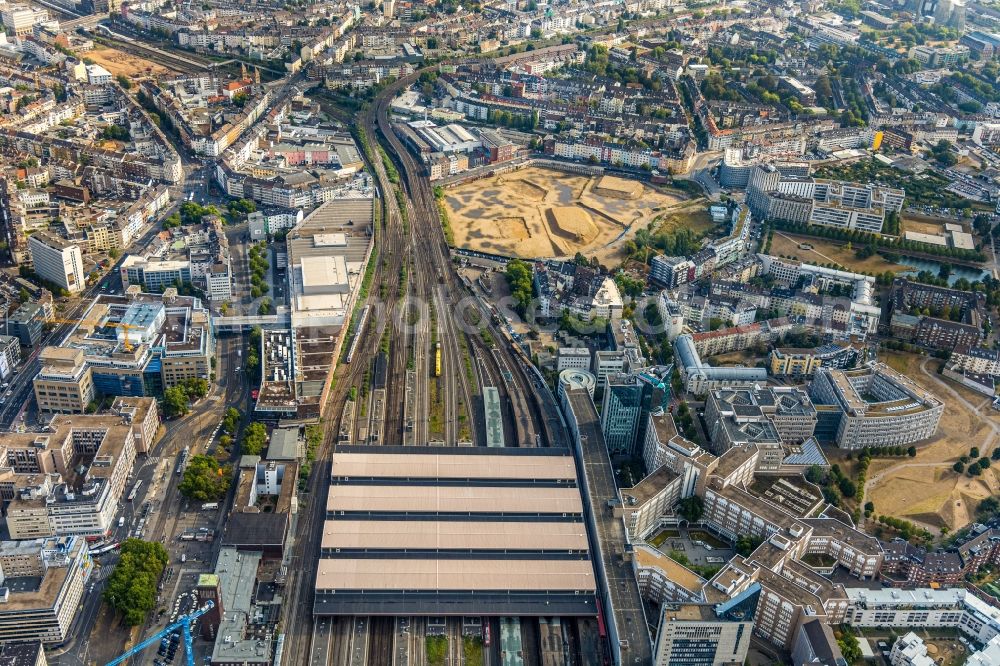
point(169, 638)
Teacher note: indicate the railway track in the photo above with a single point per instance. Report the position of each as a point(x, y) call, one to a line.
point(160, 57)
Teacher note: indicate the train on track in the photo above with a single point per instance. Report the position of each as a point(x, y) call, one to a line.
point(362, 320)
point(437, 359)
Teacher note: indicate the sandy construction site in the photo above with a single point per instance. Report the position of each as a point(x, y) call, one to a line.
point(536, 212)
point(118, 62)
point(925, 489)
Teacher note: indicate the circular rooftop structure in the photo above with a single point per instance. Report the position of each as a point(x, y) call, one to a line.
point(574, 378)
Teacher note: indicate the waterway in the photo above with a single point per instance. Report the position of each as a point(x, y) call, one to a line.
point(957, 271)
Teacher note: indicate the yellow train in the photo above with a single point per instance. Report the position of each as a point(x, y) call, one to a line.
point(437, 359)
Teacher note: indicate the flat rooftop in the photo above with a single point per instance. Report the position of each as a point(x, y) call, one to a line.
point(418, 531)
point(647, 556)
point(610, 538)
point(450, 466)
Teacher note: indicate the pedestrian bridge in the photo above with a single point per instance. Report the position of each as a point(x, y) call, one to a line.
point(238, 323)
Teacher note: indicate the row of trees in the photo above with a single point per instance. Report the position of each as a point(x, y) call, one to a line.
point(881, 242)
point(131, 587)
point(906, 529)
point(685, 422)
point(257, 259)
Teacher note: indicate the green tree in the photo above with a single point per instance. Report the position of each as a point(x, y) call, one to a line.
point(959, 467)
point(175, 401)
point(691, 508)
point(849, 647)
point(519, 279)
point(196, 388)
point(205, 480)
point(254, 439)
point(231, 420)
point(747, 544)
point(912, 452)
point(131, 587)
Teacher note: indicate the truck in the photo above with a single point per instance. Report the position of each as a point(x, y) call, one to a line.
point(184, 558)
point(209, 506)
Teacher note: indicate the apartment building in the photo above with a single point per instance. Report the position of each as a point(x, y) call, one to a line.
point(42, 606)
point(895, 609)
point(10, 356)
point(671, 272)
point(873, 406)
point(57, 260)
point(976, 360)
point(945, 334)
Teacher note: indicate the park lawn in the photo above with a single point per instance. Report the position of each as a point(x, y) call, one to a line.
point(825, 251)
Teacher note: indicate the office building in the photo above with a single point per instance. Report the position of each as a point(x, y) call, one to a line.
point(27, 653)
point(154, 276)
point(57, 260)
point(573, 357)
point(620, 413)
point(628, 401)
point(133, 345)
point(700, 377)
point(873, 406)
point(41, 605)
point(694, 635)
point(65, 384)
point(27, 323)
point(20, 20)
point(844, 205)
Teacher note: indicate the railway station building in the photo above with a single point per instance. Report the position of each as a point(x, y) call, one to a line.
point(468, 532)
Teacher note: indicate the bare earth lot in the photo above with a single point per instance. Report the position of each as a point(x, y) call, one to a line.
point(536, 212)
point(925, 489)
point(127, 64)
